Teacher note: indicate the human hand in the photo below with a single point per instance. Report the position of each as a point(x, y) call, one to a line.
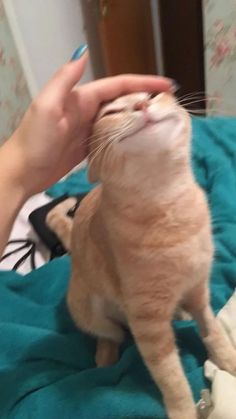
point(51, 138)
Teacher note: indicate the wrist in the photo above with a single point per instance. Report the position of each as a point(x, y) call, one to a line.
point(13, 171)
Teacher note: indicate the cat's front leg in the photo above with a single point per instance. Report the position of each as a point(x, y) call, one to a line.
point(91, 314)
point(219, 347)
point(150, 324)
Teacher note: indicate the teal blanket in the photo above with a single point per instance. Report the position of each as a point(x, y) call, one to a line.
point(47, 367)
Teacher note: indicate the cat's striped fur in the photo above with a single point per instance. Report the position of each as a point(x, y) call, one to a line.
point(142, 243)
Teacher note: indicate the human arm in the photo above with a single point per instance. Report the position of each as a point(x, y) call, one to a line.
point(51, 138)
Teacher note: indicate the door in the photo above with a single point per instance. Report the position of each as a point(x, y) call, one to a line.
point(125, 29)
point(182, 44)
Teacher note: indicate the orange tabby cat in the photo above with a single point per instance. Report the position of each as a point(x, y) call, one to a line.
point(142, 243)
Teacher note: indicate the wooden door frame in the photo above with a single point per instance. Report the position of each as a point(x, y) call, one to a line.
point(94, 26)
point(182, 43)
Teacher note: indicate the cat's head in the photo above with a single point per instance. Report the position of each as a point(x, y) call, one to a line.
point(138, 132)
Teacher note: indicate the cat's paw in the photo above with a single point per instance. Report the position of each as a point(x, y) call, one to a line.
point(107, 353)
point(59, 212)
point(182, 314)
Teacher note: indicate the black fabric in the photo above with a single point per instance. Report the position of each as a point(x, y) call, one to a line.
point(24, 244)
point(38, 220)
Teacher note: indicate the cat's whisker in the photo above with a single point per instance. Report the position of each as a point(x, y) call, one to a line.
point(115, 135)
point(212, 109)
point(200, 98)
point(93, 139)
point(195, 102)
point(209, 100)
point(216, 110)
point(190, 99)
point(92, 158)
point(204, 99)
point(103, 143)
point(98, 133)
point(95, 136)
point(189, 95)
point(181, 99)
point(94, 142)
point(100, 150)
point(94, 151)
point(193, 93)
point(106, 154)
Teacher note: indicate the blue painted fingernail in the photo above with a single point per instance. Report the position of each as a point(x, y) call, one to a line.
point(79, 52)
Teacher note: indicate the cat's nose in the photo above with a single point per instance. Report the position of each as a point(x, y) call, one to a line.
point(141, 105)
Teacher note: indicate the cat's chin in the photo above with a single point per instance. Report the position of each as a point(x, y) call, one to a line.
point(159, 123)
point(153, 126)
point(149, 131)
point(146, 127)
point(154, 136)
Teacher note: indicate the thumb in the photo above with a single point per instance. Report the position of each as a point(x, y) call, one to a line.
point(65, 79)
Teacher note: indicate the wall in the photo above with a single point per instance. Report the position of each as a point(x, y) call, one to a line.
point(50, 31)
point(14, 93)
point(220, 55)
point(36, 38)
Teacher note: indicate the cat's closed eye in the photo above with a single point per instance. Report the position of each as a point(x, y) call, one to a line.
point(111, 112)
point(152, 95)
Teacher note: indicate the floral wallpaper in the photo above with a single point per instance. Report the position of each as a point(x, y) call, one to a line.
point(220, 55)
point(14, 94)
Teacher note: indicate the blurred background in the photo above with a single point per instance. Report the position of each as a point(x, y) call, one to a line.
point(193, 42)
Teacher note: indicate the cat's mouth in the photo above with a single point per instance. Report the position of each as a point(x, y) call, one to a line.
point(149, 124)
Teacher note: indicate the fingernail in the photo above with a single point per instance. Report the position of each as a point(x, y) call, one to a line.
point(79, 52)
point(175, 86)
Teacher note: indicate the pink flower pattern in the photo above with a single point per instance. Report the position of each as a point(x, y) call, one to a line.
point(222, 50)
point(14, 94)
point(220, 55)
point(222, 44)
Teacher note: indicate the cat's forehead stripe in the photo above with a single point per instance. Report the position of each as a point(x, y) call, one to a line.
point(126, 99)
point(132, 97)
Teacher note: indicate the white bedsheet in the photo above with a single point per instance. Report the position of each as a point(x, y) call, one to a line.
point(224, 384)
point(22, 230)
